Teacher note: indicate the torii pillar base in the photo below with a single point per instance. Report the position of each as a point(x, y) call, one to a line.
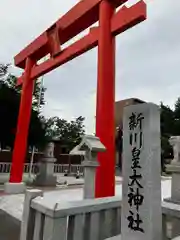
point(105, 130)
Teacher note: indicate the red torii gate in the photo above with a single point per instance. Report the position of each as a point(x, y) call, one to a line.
point(80, 17)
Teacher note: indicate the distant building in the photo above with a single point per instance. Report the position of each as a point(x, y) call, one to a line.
point(61, 151)
point(119, 106)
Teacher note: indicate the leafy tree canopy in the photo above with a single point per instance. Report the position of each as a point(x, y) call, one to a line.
point(9, 108)
point(68, 133)
point(41, 129)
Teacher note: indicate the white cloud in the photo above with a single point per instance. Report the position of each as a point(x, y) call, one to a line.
point(147, 57)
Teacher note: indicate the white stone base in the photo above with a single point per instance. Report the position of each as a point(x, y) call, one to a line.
point(173, 168)
point(14, 188)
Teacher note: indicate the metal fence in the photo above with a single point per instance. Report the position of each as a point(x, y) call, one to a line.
point(58, 168)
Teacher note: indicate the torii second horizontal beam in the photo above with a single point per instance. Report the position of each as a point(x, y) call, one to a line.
point(124, 19)
point(80, 17)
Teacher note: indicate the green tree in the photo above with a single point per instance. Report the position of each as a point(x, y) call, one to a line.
point(9, 108)
point(177, 109)
point(170, 119)
point(167, 120)
point(38, 94)
point(167, 130)
point(3, 69)
point(68, 133)
point(177, 117)
point(170, 126)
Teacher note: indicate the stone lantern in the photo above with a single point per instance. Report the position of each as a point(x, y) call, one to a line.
point(92, 146)
point(175, 143)
point(174, 169)
point(46, 176)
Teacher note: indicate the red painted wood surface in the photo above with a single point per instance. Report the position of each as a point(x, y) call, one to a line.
point(79, 18)
point(20, 145)
point(124, 19)
point(105, 175)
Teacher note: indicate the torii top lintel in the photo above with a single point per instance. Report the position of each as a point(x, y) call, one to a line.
point(80, 17)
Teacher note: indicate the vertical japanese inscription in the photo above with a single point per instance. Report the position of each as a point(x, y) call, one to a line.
point(135, 197)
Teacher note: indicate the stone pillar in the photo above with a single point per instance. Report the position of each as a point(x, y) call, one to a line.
point(175, 143)
point(15, 184)
point(90, 164)
point(92, 146)
point(174, 169)
point(141, 217)
point(46, 176)
point(105, 111)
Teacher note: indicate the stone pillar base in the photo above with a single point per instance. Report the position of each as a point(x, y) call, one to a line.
point(171, 200)
point(89, 178)
point(174, 169)
point(45, 177)
point(14, 188)
point(45, 181)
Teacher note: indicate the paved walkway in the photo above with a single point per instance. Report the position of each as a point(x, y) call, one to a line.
point(13, 206)
point(62, 181)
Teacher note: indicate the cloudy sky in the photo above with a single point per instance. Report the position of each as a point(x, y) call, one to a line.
point(147, 56)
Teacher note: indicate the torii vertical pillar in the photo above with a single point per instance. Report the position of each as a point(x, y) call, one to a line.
point(15, 184)
point(83, 15)
point(105, 177)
